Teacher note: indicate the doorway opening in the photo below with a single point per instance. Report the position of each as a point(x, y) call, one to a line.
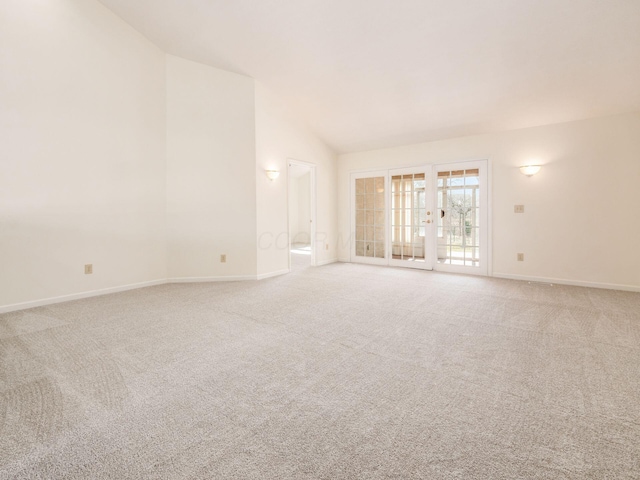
point(301, 215)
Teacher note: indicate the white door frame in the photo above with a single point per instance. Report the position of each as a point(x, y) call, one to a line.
point(312, 206)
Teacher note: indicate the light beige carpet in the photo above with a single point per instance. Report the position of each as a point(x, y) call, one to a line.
point(342, 371)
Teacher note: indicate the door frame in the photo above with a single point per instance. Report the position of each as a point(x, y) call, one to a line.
point(312, 206)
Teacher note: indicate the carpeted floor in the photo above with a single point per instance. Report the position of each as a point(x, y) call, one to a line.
point(336, 372)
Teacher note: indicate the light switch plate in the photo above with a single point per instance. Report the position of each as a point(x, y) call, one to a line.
point(518, 209)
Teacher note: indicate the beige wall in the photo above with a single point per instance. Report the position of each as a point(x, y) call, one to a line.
point(279, 138)
point(579, 224)
point(82, 162)
point(211, 188)
point(140, 163)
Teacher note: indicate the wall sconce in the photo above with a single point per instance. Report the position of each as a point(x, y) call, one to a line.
point(272, 174)
point(530, 170)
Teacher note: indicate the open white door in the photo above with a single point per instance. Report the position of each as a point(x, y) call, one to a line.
point(461, 236)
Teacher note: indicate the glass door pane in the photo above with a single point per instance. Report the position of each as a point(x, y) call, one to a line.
point(408, 218)
point(459, 222)
point(370, 219)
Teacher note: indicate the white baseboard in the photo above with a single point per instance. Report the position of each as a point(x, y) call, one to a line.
point(77, 296)
point(262, 276)
point(563, 281)
point(326, 262)
point(230, 278)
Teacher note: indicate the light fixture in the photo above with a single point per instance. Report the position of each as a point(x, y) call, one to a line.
point(530, 170)
point(272, 174)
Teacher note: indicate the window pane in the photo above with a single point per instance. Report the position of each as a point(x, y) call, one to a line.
point(370, 185)
point(368, 217)
point(369, 201)
point(368, 231)
point(379, 184)
point(368, 252)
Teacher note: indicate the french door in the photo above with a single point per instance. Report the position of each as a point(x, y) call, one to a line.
point(461, 217)
point(410, 218)
point(369, 207)
point(430, 217)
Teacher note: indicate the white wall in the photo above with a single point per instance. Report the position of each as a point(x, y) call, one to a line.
point(140, 163)
point(211, 183)
point(82, 142)
point(279, 138)
point(580, 221)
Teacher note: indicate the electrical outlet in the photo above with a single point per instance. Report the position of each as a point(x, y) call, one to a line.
point(88, 269)
point(518, 209)
point(326, 247)
point(223, 258)
point(521, 257)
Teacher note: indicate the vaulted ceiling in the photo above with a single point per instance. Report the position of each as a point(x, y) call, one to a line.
point(367, 74)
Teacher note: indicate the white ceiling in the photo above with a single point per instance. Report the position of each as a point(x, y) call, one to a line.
point(366, 74)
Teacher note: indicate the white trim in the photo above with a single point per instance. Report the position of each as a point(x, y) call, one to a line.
point(327, 262)
point(229, 278)
point(489, 250)
point(262, 276)
point(563, 281)
point(77, 296)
